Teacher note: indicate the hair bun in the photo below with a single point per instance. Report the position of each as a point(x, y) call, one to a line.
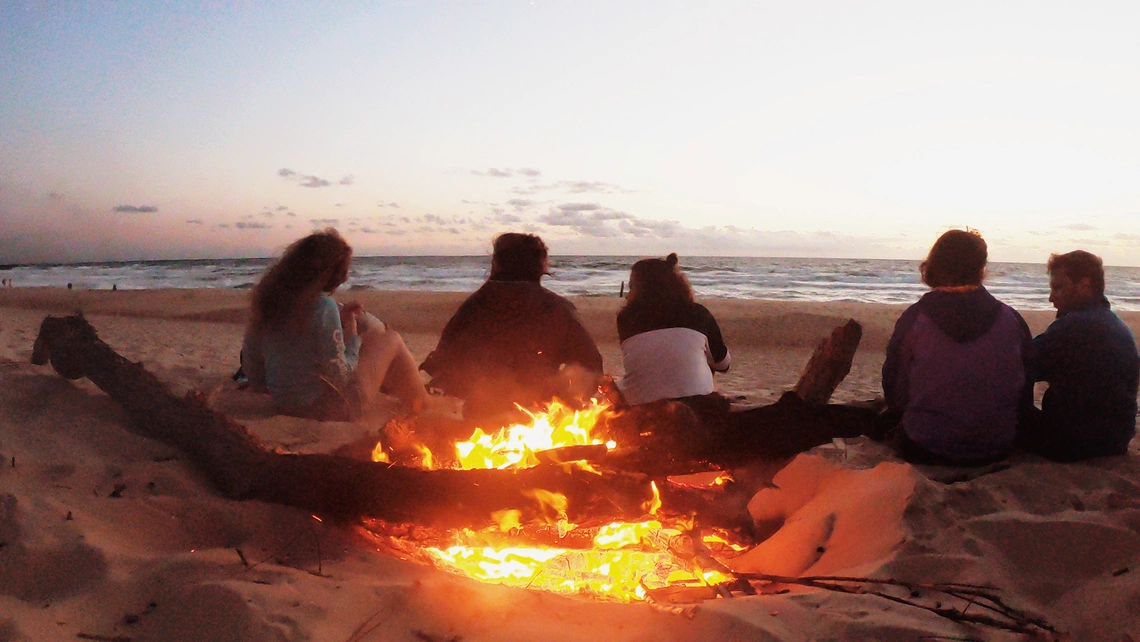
point(671, 259)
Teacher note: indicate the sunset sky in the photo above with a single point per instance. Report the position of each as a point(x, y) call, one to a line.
point(843, 129)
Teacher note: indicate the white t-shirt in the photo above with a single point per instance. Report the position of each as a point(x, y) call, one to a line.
point(668, 364)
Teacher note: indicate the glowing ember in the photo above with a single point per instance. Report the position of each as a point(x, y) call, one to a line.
point(515, 446)
point(626, 562)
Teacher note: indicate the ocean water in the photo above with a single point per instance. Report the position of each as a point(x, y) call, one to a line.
point(1022, 285)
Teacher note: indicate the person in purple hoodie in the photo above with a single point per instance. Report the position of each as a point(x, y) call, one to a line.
point(958, 371)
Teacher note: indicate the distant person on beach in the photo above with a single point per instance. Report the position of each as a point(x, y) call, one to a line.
point(671, 346)
point(318, 359)
point(957, 374)
point(513, 341)
point(1088, 356)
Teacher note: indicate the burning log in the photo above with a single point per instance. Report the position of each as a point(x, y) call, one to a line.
point(241, 467)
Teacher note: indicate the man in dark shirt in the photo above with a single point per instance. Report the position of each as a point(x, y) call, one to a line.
point(1089, 358)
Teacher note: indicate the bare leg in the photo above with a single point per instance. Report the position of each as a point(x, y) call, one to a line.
point(386, 364)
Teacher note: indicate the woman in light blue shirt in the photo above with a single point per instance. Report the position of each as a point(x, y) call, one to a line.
point(316, 358)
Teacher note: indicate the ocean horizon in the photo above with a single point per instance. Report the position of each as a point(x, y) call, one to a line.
point(1022, 285)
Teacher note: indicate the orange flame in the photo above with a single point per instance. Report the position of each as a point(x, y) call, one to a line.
point(378, 454)
point(515, 446)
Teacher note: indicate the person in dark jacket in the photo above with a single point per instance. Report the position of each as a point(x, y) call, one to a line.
point(513, 341)
point(1089, 358)
point(957, 374)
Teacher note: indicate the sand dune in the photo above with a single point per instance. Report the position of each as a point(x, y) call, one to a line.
point(109, 534)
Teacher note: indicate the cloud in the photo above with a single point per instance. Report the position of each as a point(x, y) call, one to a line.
point(393, 205)
point(308, 180)
point(494, 172)
point(1079, 227)
point(339, 205)
point(54, 196)
point(327, 222)
point(592, 219)
point(520, 203)
point(243, 225)
point(195, 221)
point(1121, 236)
point(282, 208)
point(530, 171)
point(135, 209)
point(313, 181)
point(574, 187)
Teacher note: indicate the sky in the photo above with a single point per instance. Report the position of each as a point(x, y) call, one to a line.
point(152, 130)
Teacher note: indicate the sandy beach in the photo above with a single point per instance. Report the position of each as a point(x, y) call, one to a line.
point(104, 533)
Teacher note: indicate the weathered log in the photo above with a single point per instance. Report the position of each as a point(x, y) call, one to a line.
point(829, 364)
point(240, 466)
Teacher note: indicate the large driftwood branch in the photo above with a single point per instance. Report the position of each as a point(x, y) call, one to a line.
point(659, 439)
point(241, 467)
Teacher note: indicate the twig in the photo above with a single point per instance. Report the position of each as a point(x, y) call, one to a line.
point(1009, 618)
point(367, 626)
point(320, 558)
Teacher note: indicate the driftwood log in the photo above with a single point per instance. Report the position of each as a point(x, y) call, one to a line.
point(241, 467)
point(829, 364)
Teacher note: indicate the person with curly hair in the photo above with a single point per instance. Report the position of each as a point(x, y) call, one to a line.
point(318, 359)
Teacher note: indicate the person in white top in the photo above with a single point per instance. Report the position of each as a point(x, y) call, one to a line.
point(670, 344)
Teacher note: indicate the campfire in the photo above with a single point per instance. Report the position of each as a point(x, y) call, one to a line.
point(611, 560)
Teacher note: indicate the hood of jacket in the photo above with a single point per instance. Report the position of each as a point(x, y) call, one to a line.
point(963, 316)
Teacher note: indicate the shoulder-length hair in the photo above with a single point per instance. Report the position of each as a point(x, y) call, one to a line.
point(957, 258)
point(289, 288)
point(658, 284)
point(518, 257)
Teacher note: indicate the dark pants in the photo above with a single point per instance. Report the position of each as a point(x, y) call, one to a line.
point(1066, 439)
point(891, 430)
